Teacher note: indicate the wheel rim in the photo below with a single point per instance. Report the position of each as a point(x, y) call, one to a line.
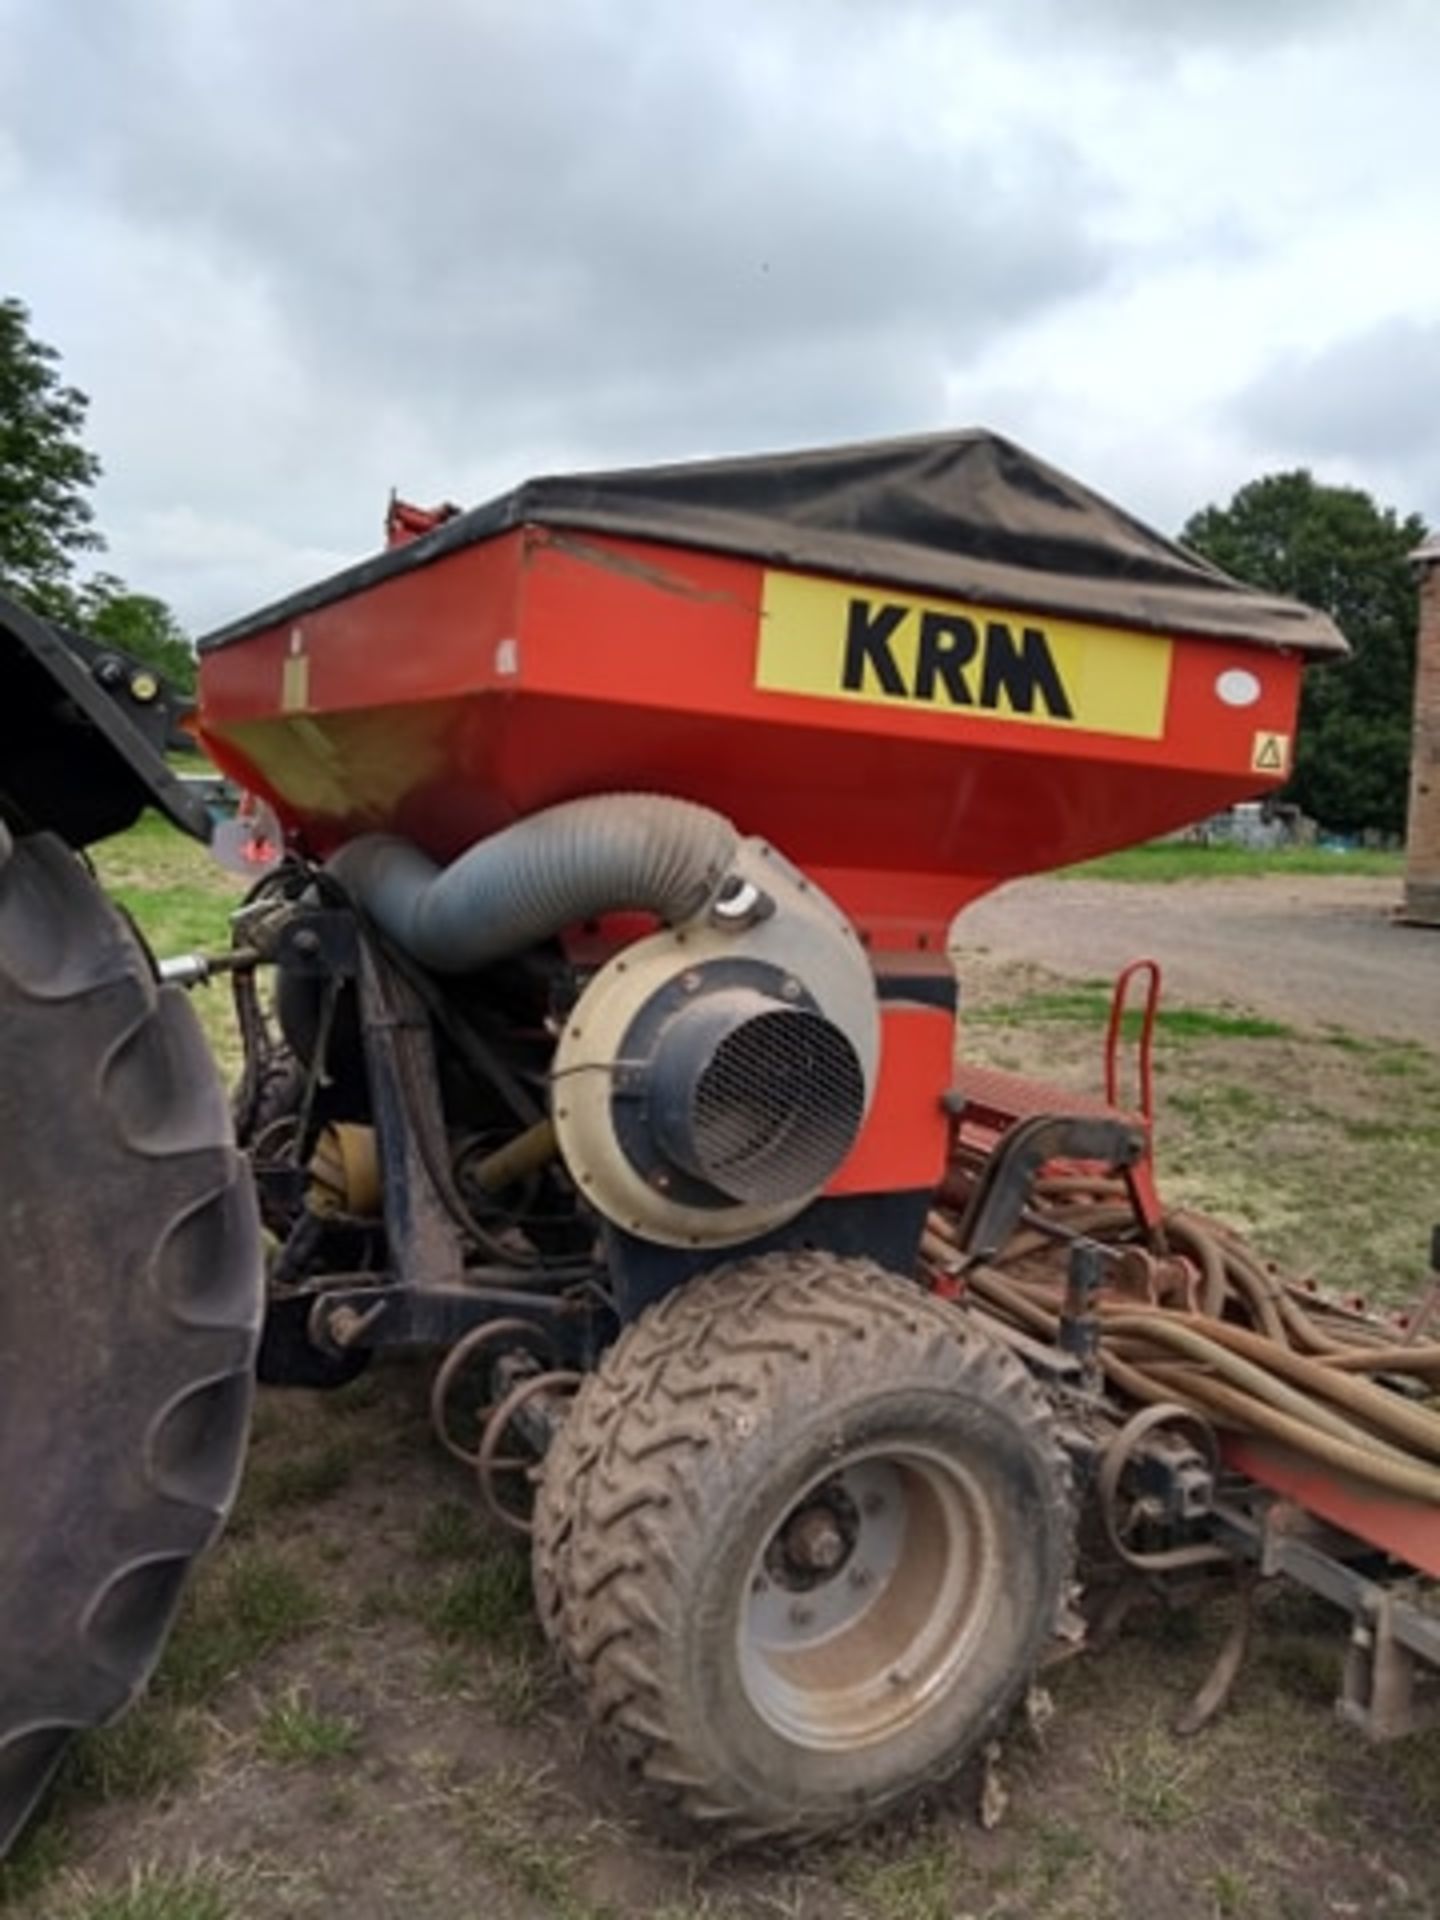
point(868, 1597)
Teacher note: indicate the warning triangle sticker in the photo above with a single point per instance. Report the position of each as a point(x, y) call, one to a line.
point(1270, 753)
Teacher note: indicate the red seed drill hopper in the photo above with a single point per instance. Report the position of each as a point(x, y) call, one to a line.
point(627, 818)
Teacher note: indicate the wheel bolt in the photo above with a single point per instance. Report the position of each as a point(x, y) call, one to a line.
point(759, 1584)
point(801, 1616)
point(872, 1504)
point(859, 1577)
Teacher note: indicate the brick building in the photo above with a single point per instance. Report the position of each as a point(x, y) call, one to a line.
point(1422, 858)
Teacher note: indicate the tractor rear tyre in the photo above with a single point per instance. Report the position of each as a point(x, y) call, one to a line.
point(130, 1292)
point(801, 1542)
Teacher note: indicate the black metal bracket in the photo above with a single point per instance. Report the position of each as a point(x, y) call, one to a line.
point(347, 1318)
point(81, 754)
point(423, 1240)
point(319, 943)
point(1003, 1190)
point(885, 1227)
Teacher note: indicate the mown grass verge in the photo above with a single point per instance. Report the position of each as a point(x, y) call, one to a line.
point(1163, 862)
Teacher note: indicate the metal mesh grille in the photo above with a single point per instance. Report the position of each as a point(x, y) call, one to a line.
point(777, 1107)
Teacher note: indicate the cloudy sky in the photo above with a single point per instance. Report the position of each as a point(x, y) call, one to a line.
point(299, 253)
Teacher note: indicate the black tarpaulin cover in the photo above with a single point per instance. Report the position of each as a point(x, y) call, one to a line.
point(967, 516)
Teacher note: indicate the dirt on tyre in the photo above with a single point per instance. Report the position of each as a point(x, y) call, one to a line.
point(801, 1542)
point(130, 1298)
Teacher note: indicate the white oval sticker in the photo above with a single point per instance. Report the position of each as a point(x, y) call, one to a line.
point(1238, 687)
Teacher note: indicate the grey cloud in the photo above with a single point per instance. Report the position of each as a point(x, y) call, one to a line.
point(1176, 28)
point(1369, 396)
point(448, 243)
point(631, 229)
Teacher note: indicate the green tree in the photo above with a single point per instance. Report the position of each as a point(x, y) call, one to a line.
point(46, 519)
point(139, 625)
point(1334, 548)
point(45, 471)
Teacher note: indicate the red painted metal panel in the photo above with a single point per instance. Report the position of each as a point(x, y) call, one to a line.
point(536, 667)
point(1408, 1529)
point(906, 1135)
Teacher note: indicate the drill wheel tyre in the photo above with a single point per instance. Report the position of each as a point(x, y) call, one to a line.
point(801, 1542)
point(130, 1296)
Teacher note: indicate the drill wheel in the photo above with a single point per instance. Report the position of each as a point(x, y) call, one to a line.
point(801, 1542)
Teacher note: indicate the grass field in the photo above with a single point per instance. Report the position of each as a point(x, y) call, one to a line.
point(357, 1714)
point(180, 897)
point(1164, 862)
point(1323, 1144)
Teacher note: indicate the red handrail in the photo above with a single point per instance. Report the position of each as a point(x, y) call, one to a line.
point(1118, 999)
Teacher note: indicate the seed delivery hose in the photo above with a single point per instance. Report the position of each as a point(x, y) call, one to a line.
point(571, 862)
point(1263, 1356)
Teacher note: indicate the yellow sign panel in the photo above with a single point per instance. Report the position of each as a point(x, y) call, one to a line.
point(845, 642)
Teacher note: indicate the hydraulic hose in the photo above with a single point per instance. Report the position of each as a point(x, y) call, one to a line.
point(1408, 1479)
point(1419, 1361)
point(611, 853)
point(1256, 1381)
point(1412, 1426)
point(1290, 1374)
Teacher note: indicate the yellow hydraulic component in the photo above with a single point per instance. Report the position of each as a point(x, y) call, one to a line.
point(345, 1171)
point(527, 1153)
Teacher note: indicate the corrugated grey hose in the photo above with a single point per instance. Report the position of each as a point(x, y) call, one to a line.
point(612, 853)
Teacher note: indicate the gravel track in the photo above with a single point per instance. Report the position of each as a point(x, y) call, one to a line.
point(1309, 950)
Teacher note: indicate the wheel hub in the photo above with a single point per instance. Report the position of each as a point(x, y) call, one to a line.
point(813, 1541)
point(866, 1599)
point(816, 1540)
point(850, 1528)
